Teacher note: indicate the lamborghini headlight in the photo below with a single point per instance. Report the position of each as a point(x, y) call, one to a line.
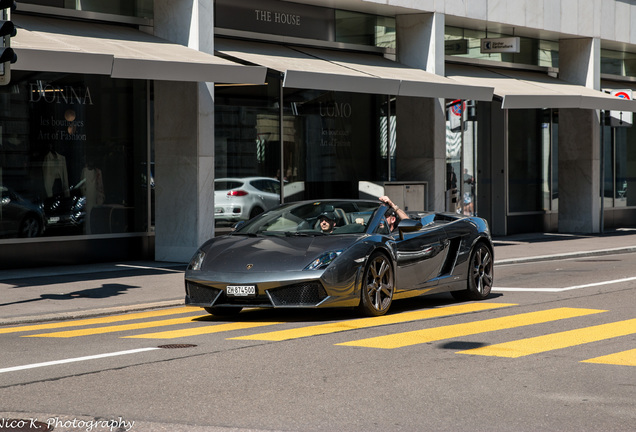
point(197, 261)
point(323, 260)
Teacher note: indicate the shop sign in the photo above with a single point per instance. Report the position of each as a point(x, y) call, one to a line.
point(456, 47)
point(621, 118)
point(500, 45)
point(276, 17)
point(41, 92)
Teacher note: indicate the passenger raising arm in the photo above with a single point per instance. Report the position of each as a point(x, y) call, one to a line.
point(397, 213)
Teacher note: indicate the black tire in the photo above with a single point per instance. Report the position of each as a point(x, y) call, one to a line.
point(480, 274)
point(378, 285)
point(221, 311)
point(255, 212)
point(30, 227)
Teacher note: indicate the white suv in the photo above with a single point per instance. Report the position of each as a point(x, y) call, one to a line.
point(237, 199)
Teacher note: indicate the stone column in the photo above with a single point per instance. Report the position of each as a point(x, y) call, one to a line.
point(579, 141)
point(184, 138)
point(421, 122)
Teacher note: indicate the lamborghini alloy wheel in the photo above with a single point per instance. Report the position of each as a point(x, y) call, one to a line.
point(378, 284)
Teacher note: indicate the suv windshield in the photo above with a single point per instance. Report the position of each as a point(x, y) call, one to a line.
point(313, 218)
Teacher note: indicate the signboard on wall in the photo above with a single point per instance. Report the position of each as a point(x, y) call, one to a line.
point(621, 118)
point(276, 17)
point(500, 45)
point(456, 46)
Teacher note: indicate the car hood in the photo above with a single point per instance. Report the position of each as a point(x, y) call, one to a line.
point(269, 254)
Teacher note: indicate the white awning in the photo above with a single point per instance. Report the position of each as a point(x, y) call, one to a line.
point(53, 45)
point(532, 90)
point(322, 69)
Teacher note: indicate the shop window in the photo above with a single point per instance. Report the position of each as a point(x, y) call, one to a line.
point(364, 29)
point(625, 167)
point(74, 153)
point(331, 147)
point(618, 63)
point(529, 161)
point(133, 8)
point(466, 43)
point(462, 137)
point(338, 146)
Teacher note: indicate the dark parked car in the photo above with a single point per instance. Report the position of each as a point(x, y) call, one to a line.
point(281, 259)
point(66, 211)
point(19, 217)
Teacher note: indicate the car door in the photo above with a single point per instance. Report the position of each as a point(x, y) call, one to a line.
point(420, 257)
point(271, 192)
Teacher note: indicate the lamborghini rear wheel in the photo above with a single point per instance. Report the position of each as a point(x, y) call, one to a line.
point(480, 275)
point(378, 284)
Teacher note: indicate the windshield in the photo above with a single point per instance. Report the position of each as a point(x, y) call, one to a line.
point(313, 218)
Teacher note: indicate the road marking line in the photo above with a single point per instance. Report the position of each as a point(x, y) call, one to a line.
point(117, 328)
point(171, 334)
point(554, 341)
point(76, 359)
point(416, 337)
point(625, 358)
point(103, 320)
point(150, 268)
point(340, 326)
point(558, 290)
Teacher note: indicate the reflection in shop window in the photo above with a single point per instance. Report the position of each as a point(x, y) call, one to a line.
point(528, 161)
point(133, 8)
point(332, 142)
point(73, 150)
point(625, 167)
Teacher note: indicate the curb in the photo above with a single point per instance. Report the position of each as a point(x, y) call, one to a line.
point(90, 313)
point(567, 255)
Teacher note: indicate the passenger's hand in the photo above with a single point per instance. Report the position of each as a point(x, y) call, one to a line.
point(386, 200)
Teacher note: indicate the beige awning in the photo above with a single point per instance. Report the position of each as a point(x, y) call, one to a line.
point(322, 69)
point(533, 90)
point(53, 45)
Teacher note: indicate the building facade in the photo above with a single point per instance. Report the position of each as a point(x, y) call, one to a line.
point(138, 129)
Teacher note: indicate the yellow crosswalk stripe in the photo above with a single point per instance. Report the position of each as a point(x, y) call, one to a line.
point(116, 328)
point(625, 358)
point(172, 334)
point(415, 337)
point(102, 320)
point(339, 326)
point(565, 339)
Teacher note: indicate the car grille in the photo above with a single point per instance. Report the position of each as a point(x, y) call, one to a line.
point(200, 294)
point(302, 294)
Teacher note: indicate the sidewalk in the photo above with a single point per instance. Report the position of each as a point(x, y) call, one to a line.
point(55, 293)
point(546, 246)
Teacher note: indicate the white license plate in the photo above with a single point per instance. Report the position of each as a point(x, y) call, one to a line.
point(241, 290)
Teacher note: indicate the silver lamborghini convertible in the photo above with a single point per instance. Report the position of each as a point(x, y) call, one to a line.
point(287, 258)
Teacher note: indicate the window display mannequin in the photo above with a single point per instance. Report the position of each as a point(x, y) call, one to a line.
point(55, 174)
point(93, 189)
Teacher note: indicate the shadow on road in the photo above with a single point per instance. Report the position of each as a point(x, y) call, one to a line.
point(105, 291)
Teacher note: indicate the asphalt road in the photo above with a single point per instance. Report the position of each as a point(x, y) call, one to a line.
point(532, 357)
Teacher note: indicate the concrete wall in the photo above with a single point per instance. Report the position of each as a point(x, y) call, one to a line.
point(579, 141)
point(184, 138)
point(421, 125)
point(606, 19)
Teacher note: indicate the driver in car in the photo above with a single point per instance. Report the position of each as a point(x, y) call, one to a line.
point(327, 222)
